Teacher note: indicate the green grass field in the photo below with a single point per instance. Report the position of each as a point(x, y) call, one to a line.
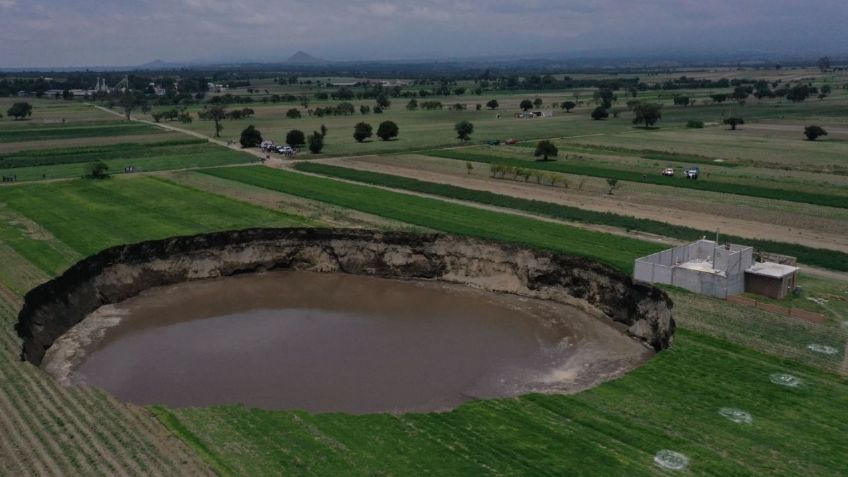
point(39, 164)
point(87, 216)
point(447, 217)
point(47, 132)
point(810, 256)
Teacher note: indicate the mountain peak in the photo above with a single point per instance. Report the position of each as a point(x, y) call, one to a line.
point(303, 57)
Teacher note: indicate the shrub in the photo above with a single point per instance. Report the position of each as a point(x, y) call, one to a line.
point(600, 113)
point(250, 137)
point(316, 142)
point(813, 132)
point(295, 137)
point(362, 131)
point(695, 124)
point(387, 130)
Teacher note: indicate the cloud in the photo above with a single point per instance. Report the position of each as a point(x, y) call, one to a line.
point(126, 32)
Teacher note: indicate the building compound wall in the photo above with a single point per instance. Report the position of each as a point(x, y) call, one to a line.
point(664, 267)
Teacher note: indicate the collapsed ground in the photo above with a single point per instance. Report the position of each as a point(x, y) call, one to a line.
point(724, 355)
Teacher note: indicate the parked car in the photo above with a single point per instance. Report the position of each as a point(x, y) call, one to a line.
point(668, 172)
point(511, 141)
point(494, 142)
point(693, 172)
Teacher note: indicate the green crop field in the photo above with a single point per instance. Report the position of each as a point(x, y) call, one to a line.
point(41, 164)
point(86, 216)
point(447, 217)
point(840, 201)
point(817, 257)
point(37, 133)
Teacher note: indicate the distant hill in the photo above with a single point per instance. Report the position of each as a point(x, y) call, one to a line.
point(160, 65)
point(303, 58)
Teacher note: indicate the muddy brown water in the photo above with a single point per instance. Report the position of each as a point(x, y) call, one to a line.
point(335, 342)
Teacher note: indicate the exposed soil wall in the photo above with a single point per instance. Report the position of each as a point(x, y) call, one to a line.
point(119, 273)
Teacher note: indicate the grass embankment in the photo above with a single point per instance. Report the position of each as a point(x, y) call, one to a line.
point(87, 216)
point(157, 156)
point(631, 176)
point(808, 255)
point(40, 133)
point(447, 217)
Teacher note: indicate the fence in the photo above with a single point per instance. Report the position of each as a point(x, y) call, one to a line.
point(805, 315)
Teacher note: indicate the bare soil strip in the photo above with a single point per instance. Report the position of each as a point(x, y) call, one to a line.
point(607, 204)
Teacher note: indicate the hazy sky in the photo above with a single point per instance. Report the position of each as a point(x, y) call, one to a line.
point(131, 32)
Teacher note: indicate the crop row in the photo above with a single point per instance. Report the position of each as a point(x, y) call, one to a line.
point(37, 134)
point(810, 256)
point(632, 176)
point(48, 157)
point(447, 217)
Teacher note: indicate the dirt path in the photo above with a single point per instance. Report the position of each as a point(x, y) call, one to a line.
point(171, 127)
point(601, 203)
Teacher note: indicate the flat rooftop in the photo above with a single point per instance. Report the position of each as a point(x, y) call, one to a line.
point(771, 269)
point(701, 266)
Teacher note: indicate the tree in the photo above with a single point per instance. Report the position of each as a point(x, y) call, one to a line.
point(130, 102)
point(546, 149)
point(362, 131)
point(363, 109)
point(295, 137)
point(217, 114)
point(293, 113)
point(813, 132)
point(537, 102)
point(568, 106)
point(612, 184)
point(469, 167)
point(324, 131)
point(605, 96)
point(387, 130)
point(383, 101)
point(682, 100)
point(316, 142)
point(526, 105)
point(798, 93)
point(20, 111)
point(97, 170)
point(463, 130)
point(492, 104)
point(719, 98)
point(250, 137)
point(823, 63)
point(647, 113)
point(600, 113)
point(412, 105)
point(733, 122)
